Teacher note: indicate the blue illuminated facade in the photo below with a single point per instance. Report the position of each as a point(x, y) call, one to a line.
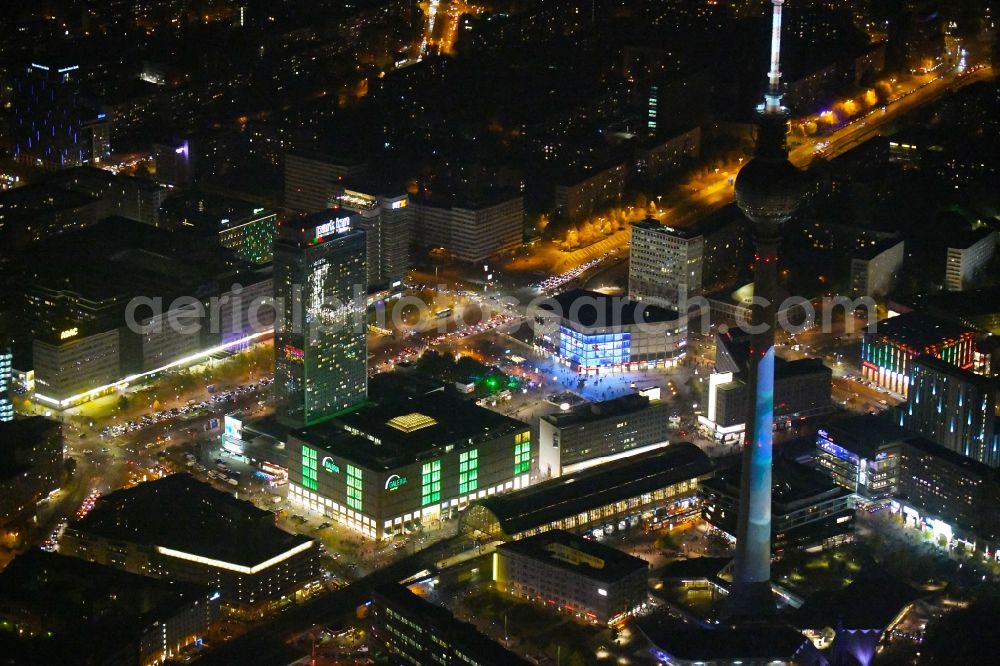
point(591, 351)
point(51, 125)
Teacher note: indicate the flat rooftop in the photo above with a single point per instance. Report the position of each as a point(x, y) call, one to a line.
point(876, 248)
point(593, 309)
point(918, 330)
point(598, 486)
point(944, 367)
point(397, 429)
point(91, 610)
point(575, 554)
point(439, 621)
point(793, 484)
point(595, 411)
point(760, 643)
point(652, 224)
point(955, 459)
point(864, 434)
point(971, 303)
point(867, 603)
point(181, 513)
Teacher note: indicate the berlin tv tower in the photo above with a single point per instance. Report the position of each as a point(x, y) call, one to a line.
point(768, 191)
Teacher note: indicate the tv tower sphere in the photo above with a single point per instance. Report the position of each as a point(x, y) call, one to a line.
point(768, 189)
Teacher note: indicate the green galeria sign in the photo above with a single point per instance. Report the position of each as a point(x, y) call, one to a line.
point(395, 481)
point(330, 466)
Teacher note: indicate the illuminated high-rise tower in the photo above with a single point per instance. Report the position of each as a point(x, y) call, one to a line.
point(768, 191)
point(320, 354)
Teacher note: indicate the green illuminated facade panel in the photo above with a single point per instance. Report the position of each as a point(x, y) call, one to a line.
point(354, 487)
point(468, 471)
point(309, 467)
point(522, 453)
point(430, 483)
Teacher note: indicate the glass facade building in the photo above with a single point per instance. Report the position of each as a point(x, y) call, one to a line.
point(319, 335)
point(593, 350)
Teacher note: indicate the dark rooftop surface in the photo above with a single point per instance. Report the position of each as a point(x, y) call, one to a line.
point(91, 610)
point(614, 564)
point(760, 643)
point(590, 308)
point(917, 330)
point(962, 303)
point(439, 621)
point(591, 488)
point(128, 257)
point(867, 603)
point(942, 454)
point(864, 434)
point(184, 514)
point(593, 411)
point(792, 483)
point(423, 424)
point(653, 224)
point(872, 250)
point(694, 567)
point(968, 238)
point(965, 376)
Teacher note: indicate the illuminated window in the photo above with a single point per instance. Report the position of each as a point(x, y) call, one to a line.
point(309, 468)
point(430, 483)
point(354, 487)
point(522, 453)
point(468, 471)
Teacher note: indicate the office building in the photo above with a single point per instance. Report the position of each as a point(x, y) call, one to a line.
point(731, 306)
point(862, 454)
point(117, 194)
point(968, 258)
point(111, 617)
point(403, 460)
point(73, 362)
point(807, 508)
point(655, 488)
point(950, 494)
point(594, 432)
point(875, 267)
point(665, 264)
point(88, 322)
point(802, 390)
point(415, 631)
point(39, 211)
point(320, 347)
point(594, 582)
point(656, 158)
point(388, 225)
point(173, 161)
point(978, 309)
point(313, 181)
point(886, 352)
point(31, 465)
point(6, 381)
point(577, 200)
point(955, 408)
point(245, 228)
point(593, 332)
point(471, 230)
point(51, 126)
point(181, 529)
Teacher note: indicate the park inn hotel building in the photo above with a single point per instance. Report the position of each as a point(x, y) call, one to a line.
point(401, 461)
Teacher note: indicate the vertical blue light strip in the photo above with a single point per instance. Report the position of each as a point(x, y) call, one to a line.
point(759, 527)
